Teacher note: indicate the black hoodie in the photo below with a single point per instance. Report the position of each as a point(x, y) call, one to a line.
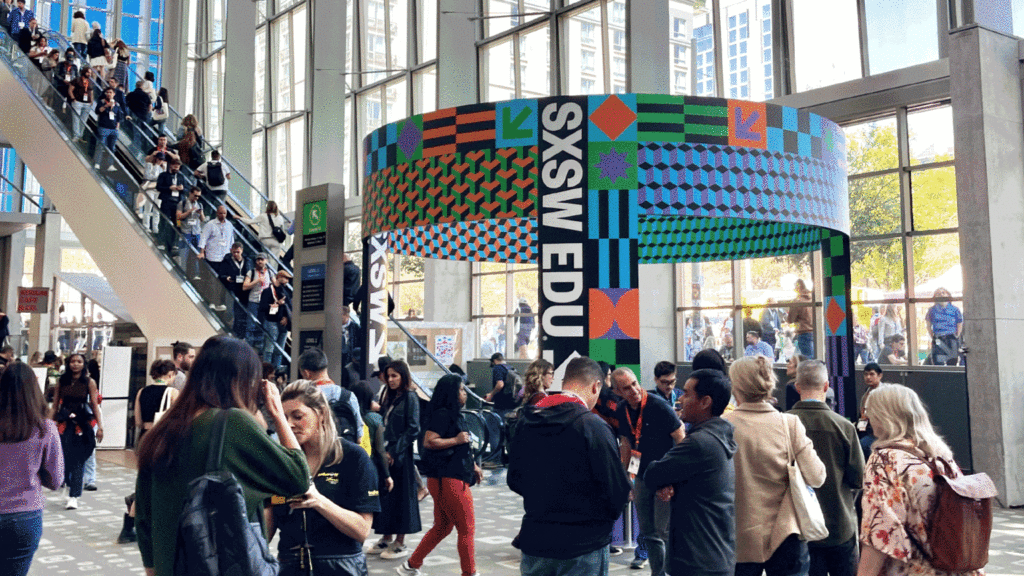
point(565, 464)
point(702, 538)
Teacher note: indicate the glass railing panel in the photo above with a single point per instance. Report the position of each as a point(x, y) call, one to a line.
point(120, 183)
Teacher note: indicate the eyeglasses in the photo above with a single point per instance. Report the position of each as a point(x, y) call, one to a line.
point(549, 373)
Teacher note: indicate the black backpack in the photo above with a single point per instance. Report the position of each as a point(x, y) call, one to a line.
point(215, 174)
point(276, 230)
point(214, 534)
point(344, 417)
point(511, 391)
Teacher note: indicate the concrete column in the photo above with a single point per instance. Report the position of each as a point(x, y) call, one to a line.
point(648, 72)
point(447, 287)
point(985, 87)
point(12, 268)
point(175, 70)
point(327, 122)
point(47, 264)
point(239, 81)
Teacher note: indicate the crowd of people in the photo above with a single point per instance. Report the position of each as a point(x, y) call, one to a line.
point(782, 333)
point(705, 464)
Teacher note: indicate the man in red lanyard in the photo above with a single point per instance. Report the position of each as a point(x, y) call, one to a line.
point(648, 428)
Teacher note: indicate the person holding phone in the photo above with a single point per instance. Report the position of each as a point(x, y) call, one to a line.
point(323, 530)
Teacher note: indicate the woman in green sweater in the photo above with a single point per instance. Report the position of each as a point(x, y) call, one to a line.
point(225, 374)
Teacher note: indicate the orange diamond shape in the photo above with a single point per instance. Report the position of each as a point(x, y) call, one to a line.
point(613, 116)
point(835, 315)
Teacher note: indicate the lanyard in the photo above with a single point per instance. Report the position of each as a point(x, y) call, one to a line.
point(639, 419)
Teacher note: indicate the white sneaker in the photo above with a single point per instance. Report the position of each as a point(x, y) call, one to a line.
point(395, 551)
point(72, 504)
point(378, 548)
point(406, 570)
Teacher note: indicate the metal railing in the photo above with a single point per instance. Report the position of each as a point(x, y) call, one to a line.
point(120, 183)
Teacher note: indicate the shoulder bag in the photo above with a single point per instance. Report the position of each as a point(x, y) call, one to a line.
point(215, 537)
point(165, 404)
point(808, 510)
point(277, 231)
point(961, 522)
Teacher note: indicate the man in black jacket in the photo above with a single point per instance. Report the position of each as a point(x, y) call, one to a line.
point(275, 313)
point(353, 277)
point(140, 106)
point(233, 271)
point(698, 477)
point(169, 187)
point(564, 462)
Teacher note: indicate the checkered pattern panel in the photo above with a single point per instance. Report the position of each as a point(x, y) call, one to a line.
point(505, 240)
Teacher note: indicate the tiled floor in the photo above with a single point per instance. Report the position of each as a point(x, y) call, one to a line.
point(83, 541)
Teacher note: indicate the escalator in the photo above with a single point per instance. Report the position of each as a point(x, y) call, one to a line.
point(171, 294)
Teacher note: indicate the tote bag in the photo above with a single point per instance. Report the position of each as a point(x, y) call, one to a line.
point(808, 511)
point(165, 404)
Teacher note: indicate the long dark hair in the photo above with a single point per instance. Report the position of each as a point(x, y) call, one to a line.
point(446, 394)
point(225, 374)
point(67, 378)
point(22, 407)
point(392, 396)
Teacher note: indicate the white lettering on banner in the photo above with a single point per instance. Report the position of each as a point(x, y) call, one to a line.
point(562, 208)
point(378, 298)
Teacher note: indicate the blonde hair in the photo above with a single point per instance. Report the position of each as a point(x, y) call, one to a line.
point(897, 413)
point(534, 377)
point(753, 378)
point(310, 395)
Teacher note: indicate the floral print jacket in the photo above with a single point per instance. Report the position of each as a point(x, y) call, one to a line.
point(899, 495)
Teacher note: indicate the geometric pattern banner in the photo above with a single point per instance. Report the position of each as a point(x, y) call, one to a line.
point(725, 181)
point(667, 239)
point(838, 312)
point(590, 187)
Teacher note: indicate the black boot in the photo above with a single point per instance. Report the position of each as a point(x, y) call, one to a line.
point(127, 535)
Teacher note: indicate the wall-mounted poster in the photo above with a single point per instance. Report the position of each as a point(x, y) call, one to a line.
point(444, 348)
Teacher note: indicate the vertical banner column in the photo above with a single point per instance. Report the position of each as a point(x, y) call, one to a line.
point(838, 310)
point(374, 314)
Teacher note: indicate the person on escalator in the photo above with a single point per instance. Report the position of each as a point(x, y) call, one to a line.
point(190, 215)
point(233, 272)
point(108, 122)
point(65, 73)
point(19, 18)
point(218, 235)
point(169, 187)
point(256, 281)
point(29, 36)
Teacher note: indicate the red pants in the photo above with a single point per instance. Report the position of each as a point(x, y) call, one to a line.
point(453, 508)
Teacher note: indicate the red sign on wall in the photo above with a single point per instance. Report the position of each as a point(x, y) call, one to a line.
point(33, 300)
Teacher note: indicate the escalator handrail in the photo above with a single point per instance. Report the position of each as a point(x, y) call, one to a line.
point(9, 56)
point(65, 43)
point(251, 240)
point(420, 345)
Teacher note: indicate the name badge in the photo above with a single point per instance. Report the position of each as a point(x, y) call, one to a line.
point(67, 78)
point(111, 114)
point(21, 25)
point(862, 425)
point(273, 309)
point(192, 221)
point(240, 279)
point(634, 464)
point(174, 193)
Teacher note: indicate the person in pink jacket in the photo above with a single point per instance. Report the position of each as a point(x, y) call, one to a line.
point(767, 534)
point(30, 458)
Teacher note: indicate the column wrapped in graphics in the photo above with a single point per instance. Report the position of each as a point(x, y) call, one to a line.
point(590, 187)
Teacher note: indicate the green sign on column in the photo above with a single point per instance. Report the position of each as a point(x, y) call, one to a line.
point(314, 224)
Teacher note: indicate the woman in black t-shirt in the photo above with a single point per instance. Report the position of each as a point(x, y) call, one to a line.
point(450, 471)
point(323, 531)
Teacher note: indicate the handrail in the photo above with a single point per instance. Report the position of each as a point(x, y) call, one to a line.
point(252, 241)
point(65, 43)
point(436, 361)
point(197, 276)
point(24, 195)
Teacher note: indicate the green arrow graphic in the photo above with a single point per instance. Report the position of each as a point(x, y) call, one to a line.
point(513, 129)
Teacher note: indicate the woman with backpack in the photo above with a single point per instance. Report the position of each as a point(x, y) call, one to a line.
point(30, 458)
point(76, 408)
point(450, 470)
point(322, 532)
point(900, 487)
point(224, 377)
point(271, 228)
point(399, 508)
